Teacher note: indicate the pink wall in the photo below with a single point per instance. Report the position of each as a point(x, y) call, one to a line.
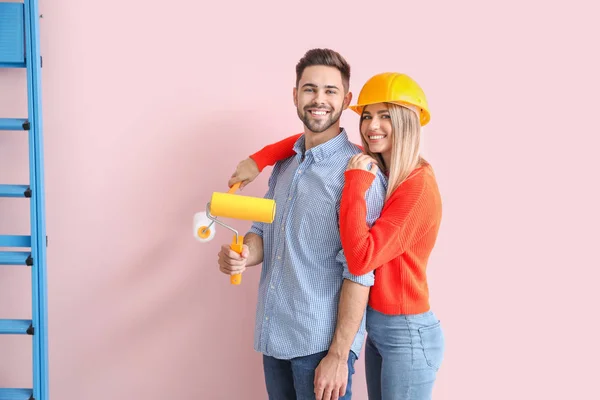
point(148, 108)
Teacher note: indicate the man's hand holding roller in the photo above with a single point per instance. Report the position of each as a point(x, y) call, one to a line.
point(231, 263)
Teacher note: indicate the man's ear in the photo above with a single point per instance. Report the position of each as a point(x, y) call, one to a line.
point(347, 99)
point(295, 94)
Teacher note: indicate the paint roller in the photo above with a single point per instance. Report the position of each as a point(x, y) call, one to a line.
point(230, 205)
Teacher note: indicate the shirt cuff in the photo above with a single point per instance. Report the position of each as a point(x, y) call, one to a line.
point(367, 279)
point(256, 230)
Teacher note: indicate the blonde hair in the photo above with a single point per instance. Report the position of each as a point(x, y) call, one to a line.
point(406, 146)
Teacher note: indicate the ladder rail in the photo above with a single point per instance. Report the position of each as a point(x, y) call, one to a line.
point(37, 202)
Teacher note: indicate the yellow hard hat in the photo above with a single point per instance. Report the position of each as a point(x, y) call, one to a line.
point(393, 87)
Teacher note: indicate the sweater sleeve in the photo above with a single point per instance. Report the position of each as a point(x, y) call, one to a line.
point(405, 218)
point(272, 153)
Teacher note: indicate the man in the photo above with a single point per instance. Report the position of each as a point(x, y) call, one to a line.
point(310, 312)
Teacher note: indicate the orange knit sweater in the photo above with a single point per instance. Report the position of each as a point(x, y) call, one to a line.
point(397, 246)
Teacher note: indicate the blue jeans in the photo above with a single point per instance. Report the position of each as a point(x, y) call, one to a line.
point(294, 379)
point(402, 356)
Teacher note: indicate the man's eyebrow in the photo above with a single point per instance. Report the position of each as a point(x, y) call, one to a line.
point(326, 86)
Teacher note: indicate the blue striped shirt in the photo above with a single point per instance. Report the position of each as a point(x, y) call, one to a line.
point(304, 264)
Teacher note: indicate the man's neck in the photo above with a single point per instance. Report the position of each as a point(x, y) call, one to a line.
point(312, 139)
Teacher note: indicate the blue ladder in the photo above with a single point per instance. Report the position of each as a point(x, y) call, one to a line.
point(19, 48)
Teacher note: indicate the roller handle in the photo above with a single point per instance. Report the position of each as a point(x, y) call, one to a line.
point(234, 188)
point(237, 247)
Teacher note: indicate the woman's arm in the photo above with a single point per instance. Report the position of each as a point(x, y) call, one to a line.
point(247, 170)
point(407, 216)
point(274, 152)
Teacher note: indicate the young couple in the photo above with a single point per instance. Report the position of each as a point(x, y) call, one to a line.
point(347, 253)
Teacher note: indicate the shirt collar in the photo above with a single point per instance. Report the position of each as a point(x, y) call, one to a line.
point(324, 150)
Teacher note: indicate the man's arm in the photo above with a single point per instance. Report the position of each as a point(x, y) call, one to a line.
point(254, 243)
point(353, 301)
point(230, 262)
point(331, 376)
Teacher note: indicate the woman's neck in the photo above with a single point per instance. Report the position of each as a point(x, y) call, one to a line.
point(387, 158)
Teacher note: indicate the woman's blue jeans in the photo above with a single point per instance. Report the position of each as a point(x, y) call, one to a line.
point(402, 356)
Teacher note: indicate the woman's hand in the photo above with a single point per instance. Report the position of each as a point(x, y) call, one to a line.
point(245, 172)
point(363, 161)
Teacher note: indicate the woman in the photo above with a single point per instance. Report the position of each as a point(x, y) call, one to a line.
point(405, 343)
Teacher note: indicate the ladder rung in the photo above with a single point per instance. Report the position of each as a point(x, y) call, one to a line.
point(13, 124)
point(15, 191)
point(12, 35)
point(16, 394)
point(15, 241)
point(15, 258)
point(14, 326)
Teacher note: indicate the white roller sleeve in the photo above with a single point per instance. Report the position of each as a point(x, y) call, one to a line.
point(200, 220)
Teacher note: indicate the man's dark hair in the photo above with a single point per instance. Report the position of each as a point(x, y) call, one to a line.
point(325, 57)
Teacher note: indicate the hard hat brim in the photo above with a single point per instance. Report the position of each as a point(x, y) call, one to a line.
point(423, 118)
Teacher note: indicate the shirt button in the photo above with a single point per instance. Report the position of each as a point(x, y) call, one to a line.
point(299, 172)
point(279, 257)
point(282, 228)
point(267, 318)
point(289, 198)
point(272, 287)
